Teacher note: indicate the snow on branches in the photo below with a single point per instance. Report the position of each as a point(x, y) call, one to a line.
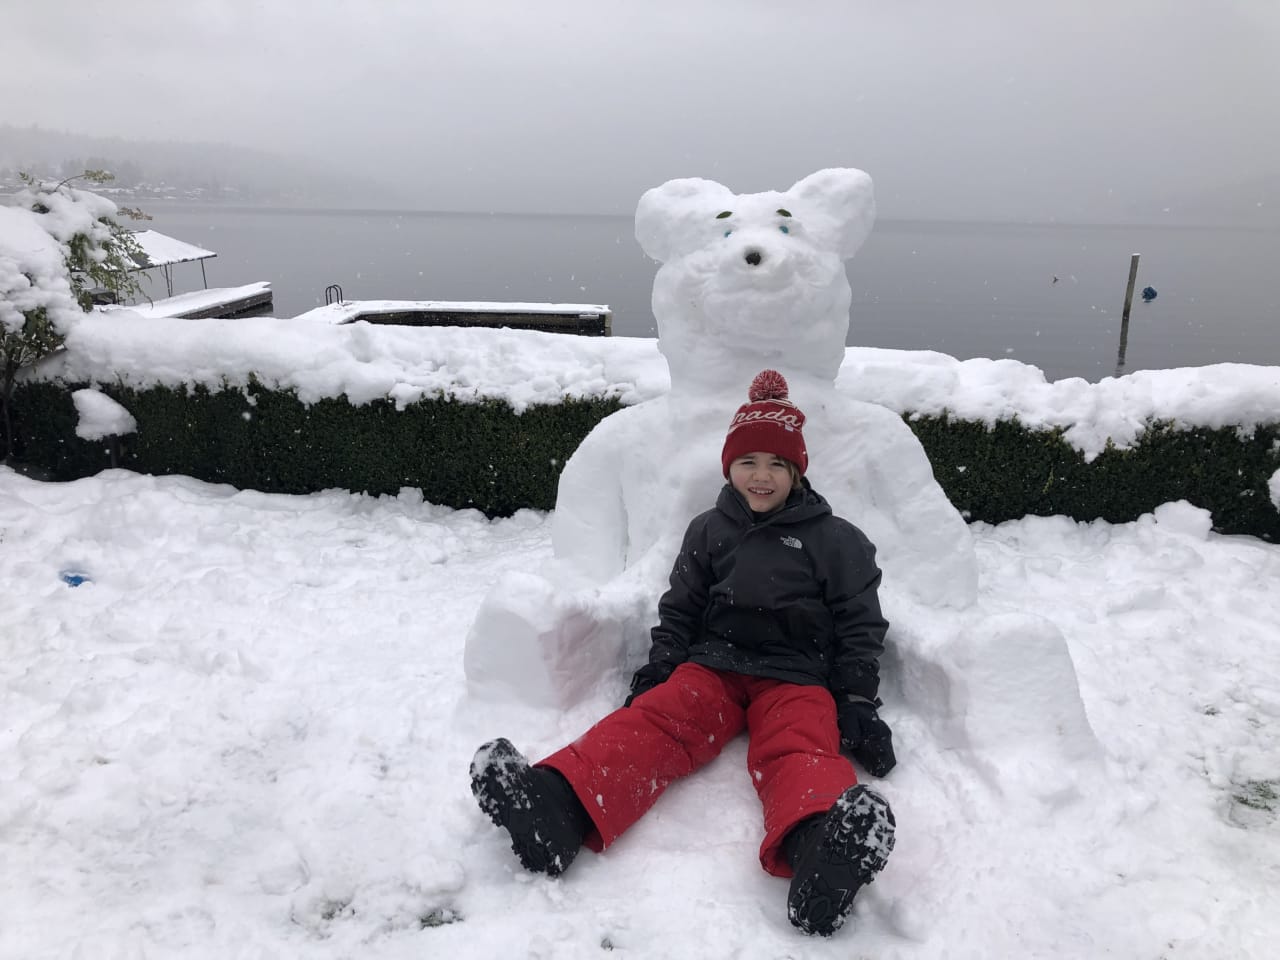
point(58, 246)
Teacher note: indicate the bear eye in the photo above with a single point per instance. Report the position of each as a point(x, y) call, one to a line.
point(723, 214)
point(783, 213)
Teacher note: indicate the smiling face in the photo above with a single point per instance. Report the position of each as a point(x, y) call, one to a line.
point(763, 479)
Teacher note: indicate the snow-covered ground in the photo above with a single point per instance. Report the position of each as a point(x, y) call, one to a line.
point(247, 735)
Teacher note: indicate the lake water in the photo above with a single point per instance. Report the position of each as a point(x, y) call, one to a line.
point(966, 289)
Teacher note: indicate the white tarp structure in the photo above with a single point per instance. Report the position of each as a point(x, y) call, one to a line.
point(162, 251)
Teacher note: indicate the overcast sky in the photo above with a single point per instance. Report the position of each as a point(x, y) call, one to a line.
point(1064, 108)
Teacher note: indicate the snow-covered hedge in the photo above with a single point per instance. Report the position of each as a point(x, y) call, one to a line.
point(485, 418)
point(1009, 470)
point(477, 454)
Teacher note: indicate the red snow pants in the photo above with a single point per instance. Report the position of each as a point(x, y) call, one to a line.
point(620, 767)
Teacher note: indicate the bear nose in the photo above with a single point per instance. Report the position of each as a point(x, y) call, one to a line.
point(753, 257)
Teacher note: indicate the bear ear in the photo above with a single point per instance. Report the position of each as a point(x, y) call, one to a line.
point(679, 216)
point(840, 207)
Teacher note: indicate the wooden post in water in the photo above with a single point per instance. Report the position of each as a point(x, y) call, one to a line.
point(1124, 317)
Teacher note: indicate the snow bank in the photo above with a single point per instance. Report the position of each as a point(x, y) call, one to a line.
point(1116, 408)
point(367, 362)
point(363, 361)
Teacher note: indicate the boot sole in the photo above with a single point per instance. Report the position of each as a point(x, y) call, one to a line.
point(501, 785)
point(857, 838)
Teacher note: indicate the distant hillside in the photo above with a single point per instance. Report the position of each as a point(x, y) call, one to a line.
point(196, 171)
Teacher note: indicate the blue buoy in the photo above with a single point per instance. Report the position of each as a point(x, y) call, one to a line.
point(73, 579)
point(1148, 294)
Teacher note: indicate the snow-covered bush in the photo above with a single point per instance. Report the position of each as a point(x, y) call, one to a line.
point(58, 244)
point(482, 455)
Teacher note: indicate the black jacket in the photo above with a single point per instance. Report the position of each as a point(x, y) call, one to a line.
point(790, 595)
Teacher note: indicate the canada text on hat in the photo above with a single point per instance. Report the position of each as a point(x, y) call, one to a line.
point(769, 422)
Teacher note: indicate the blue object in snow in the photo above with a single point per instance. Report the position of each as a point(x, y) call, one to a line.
point(73, 579)
point(1148, 294)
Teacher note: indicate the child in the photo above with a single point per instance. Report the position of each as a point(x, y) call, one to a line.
point(771, 624)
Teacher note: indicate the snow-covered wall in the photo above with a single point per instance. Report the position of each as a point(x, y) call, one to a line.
point(366, 362)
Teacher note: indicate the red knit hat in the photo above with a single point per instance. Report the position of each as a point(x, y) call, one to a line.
point(769, 423)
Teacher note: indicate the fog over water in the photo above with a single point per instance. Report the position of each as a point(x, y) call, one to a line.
point(1092, 111)
point(965, 289)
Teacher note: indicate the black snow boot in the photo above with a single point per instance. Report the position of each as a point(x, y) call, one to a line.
point(534, 804)
point(834, 855)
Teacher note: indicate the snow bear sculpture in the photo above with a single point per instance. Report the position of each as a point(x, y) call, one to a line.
point(746, 282)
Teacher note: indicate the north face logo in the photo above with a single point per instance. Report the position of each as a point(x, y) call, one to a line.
point(791, 542)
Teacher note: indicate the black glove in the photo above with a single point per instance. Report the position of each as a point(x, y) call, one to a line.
point(646, 678)
point(866, 736)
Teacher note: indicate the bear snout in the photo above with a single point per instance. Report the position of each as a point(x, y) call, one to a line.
point(753, 257)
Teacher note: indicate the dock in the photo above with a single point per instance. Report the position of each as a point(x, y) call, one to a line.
point(250, 300)
point(156, 251)
point(582, 319)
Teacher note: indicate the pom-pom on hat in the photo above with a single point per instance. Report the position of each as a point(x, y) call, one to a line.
point(768, 422)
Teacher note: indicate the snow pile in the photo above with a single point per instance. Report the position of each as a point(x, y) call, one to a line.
point(997, 667)
point(1117, 409)
point(363, 361)
point(100, 416)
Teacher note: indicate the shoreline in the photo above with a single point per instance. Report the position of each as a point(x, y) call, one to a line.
point(188, 204)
